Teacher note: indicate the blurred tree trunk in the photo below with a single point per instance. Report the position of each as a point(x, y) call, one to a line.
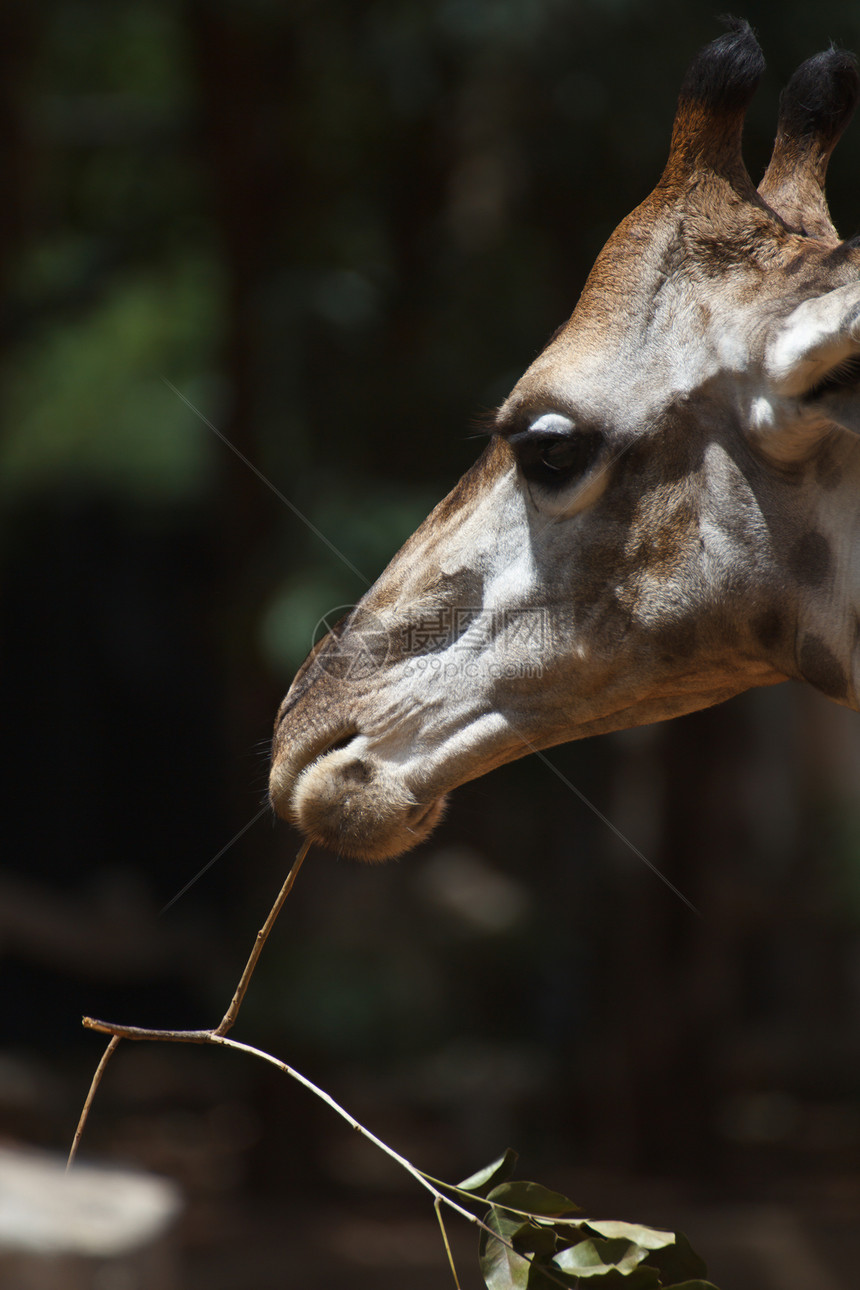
point(670, 986)
point(243, 85)
point(17, 35)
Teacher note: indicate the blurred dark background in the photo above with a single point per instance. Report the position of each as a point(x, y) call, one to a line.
point(329, 234)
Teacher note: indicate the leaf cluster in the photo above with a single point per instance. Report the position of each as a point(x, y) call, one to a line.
point(533, 1239)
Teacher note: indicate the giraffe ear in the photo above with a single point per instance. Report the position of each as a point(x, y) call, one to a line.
point(813, 357)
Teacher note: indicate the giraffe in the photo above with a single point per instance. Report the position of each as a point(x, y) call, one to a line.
point(665, 515)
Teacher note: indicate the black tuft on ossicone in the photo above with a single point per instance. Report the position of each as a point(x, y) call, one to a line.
point(821, 96)
point(814, 109)
point(724, 74)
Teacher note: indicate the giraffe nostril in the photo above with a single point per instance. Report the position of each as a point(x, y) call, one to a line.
point(290, 761)
point(357, 772)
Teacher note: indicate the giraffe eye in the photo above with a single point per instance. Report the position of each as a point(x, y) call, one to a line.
point(554, 460)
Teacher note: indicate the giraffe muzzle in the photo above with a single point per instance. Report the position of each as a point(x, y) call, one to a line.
point(352, 804)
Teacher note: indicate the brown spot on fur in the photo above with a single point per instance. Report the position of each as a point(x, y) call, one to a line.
point(769, 628)
point(795, 265)
point(810, 560)
point(821, 668)
point(663, 552)
point(620, 505)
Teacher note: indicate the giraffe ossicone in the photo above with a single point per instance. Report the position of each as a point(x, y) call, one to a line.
point(667, 512)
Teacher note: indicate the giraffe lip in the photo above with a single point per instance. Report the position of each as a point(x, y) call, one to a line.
point(418, 814)
point(361, 808)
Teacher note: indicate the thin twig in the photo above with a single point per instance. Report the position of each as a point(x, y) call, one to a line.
point(212, 1037)
point(108, 1053)
point(185, 1036)
point(142, 1032)
point(218, 1035)
point(509, 1209)
point(437, 1205)
point(351, 1121)
point(236, 1002)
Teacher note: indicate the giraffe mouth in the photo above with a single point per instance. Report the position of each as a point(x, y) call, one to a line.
point(419, 814)
point(355, 805)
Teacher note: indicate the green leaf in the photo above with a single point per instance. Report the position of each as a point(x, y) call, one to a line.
point(517, 1264)
point(502, 1268)
point(545, 1276)
point(532, 1238)
point(532, 1198)
point(532, 1245)
point(509, 1226)
point(486, 1179)
point(650, 1238)
point(678, 1262)
point(595, 1257)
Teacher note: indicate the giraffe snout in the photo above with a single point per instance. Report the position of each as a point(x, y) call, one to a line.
point(354, 805)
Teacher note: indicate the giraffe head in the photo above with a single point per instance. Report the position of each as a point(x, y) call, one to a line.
point(665, 515)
